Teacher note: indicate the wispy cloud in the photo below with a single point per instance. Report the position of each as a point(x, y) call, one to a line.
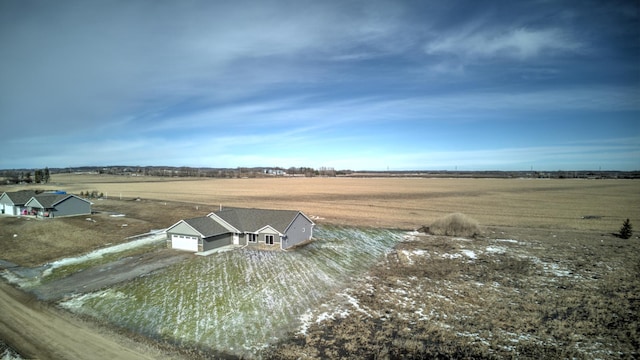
point(518, 43)
point(269, 81)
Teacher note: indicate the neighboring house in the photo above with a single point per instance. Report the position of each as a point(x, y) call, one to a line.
point(250, 227)
point(13, 203)
point(56, 205)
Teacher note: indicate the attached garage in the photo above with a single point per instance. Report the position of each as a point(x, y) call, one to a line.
point(197, 234)
point(12, 203)
point(184, 242)
point(8, 209)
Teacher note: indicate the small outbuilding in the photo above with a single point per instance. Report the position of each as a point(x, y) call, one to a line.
point(241, 226)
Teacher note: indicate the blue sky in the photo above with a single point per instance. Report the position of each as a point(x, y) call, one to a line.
point(362, 85)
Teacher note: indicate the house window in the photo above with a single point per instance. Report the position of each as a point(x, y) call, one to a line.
point(268, 239)
point(253, 238)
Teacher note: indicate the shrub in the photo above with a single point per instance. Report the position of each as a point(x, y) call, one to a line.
point(626, 229)
point(455, 224)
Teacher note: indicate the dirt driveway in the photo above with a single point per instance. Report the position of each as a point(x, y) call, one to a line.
point(109, 274)
point(40, 331)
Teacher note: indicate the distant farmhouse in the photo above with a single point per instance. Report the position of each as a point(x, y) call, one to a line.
point(44, 205)
point(239, 226)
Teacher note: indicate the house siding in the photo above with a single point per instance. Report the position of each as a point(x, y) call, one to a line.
point(182, 229)
point(300, 230)
point(262, 236)
point(215, 242)
point(71, 206)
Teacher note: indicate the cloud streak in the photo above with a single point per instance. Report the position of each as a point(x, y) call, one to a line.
point(206, 76)
point(519, 43)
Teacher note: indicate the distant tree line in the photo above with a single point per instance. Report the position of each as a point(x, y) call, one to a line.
point(27, 176)
point(40, 176)
point(239, 172)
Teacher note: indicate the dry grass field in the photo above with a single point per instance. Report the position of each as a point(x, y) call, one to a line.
point(546, 278)
point(393, 202)
point(401, 203)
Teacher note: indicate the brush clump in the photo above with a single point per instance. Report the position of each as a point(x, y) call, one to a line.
point(456, 224)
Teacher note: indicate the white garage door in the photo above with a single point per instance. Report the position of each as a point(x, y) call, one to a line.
point(8, 209)
point(183, 242)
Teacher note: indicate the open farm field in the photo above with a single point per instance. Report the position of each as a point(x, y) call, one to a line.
point(404, 203)
point(545, 279)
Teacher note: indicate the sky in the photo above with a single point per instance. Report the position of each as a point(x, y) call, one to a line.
point(360, 85)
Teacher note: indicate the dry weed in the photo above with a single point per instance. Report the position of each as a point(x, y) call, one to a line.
point(455, 224)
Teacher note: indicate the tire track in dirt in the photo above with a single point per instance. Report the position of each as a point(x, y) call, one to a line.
point(37, 330)
point(109, 274)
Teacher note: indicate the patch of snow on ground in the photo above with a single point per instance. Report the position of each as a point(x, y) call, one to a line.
point(508, 240)
point(197, 301)
point(9, 354)
point(147, 240)
point(354, 302)
point(469, 253)
point(451, 256)
point(496, 249)
point(418, 252)
point(421, 315)
point(78, 301)
point(305, 322)
point(16, 280)
point(554, 268)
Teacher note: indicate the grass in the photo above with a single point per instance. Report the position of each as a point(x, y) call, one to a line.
point(455, 224)
point(238, 302)
point(392, 203)
point(66, 270)
point(490, 298)
point(545, 279)
point(42, 241)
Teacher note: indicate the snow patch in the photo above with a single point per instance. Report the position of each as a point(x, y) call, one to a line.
point(418, 252)
point(469, 253)
point(496, 249)
point(148, 240)
point(354, 302)
point(508, 241)
point(305, 322)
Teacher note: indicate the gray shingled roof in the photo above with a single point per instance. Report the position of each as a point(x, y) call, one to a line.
point(21, 197)
point(252, 220)
point(48, 200)
point(206, 226)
